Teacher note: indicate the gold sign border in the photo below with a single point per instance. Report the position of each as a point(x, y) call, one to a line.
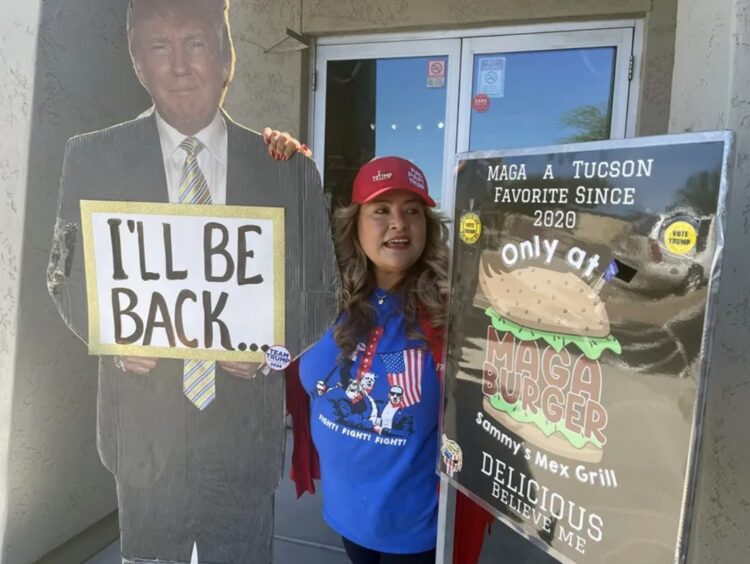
point(276, 215)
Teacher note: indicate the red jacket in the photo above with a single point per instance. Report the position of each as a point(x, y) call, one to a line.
point(470, 519)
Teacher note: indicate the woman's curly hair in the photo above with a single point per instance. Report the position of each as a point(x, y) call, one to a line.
point(424, 286)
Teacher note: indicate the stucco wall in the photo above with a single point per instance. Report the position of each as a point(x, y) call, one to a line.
point(67, 71)
point(344, 16)
point(17, 56)
point(711, 90)
point(267, 86)
point(656, 68)
point(703, 65)
point(55, 484)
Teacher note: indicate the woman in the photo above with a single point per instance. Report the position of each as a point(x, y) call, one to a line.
point(372, 378)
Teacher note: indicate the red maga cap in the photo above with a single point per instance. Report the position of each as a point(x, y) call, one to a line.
point(384, 174)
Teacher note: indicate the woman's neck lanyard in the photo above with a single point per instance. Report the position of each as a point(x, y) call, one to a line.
point(376, 333)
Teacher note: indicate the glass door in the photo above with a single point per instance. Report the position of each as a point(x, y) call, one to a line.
point(401, 102)
point(544, 89)
point(426, 97)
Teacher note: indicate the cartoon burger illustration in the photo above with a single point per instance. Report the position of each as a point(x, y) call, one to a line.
point(541, 379)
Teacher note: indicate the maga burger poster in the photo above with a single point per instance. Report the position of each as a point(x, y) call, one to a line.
point(583, 281)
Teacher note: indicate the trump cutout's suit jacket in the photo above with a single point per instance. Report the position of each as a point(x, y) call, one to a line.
point(183, 475)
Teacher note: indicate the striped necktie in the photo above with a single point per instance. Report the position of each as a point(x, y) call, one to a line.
point(198, 376)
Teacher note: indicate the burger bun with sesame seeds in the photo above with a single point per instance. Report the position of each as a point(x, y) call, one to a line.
point(543, 308)
point(545, 300)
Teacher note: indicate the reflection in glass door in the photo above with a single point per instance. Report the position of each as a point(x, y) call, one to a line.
point(381, 107)
point(410, 119)
point(541, 98)
point(427, 99)
point(386, 105)
point(546, 89)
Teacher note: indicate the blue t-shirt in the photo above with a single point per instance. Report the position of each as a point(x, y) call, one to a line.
point(374, 423)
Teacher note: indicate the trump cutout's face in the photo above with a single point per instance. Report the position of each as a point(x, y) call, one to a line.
point(177, 53)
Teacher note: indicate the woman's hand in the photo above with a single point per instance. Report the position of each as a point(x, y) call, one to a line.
point(281, 145)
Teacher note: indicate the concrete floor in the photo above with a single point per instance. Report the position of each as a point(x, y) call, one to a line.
point(284, 552)
point(301, 535)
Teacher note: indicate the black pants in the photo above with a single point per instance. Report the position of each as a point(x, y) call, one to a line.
point(361, 555)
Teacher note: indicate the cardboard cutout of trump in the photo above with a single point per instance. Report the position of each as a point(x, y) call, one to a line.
point(190, 473)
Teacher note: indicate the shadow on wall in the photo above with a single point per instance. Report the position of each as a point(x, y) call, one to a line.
point(57, 485)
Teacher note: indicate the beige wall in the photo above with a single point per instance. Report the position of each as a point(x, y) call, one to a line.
point(656, 68)
point(347, 16)
point(706, 74)
point(711, 90)
point(65, 70)
point(266, 89)
point(18, 36)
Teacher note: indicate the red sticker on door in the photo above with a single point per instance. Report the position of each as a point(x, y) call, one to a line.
point(480, 103)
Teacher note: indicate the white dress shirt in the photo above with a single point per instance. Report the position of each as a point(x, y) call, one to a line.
point(212, 159)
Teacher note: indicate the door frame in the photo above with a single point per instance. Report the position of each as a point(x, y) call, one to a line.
point(620, 38)
point(520, 29)
point(454, 43)
point(390, 50)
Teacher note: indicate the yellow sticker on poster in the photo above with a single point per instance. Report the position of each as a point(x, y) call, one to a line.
point(680, 237)
point(470, 228)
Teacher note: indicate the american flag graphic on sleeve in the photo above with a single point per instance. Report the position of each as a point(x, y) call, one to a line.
point(405, 369)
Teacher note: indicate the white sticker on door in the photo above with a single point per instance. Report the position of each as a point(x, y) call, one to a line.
point(492, 76)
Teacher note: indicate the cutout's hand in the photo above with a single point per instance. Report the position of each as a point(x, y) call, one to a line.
point(240, 369)
point(135, 364)
point(281, 145)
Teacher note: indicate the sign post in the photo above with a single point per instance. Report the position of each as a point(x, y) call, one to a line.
point(584, 281)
